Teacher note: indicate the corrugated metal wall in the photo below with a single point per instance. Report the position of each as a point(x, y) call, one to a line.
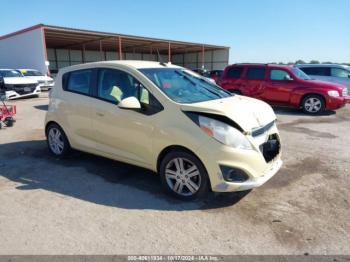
point(217, 59)
point(25, 50)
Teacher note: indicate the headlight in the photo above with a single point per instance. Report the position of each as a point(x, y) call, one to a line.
point(223, 133)
point(333, 93)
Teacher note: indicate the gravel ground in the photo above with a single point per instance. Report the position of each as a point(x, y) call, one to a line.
point(90, 205)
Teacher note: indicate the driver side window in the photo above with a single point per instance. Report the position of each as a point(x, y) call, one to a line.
point(115, 85)
point(279, 75)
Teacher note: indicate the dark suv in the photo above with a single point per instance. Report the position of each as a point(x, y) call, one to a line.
point(283, 85)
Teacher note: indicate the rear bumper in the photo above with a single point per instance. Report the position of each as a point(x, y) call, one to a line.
point(45, 86)
point(333, 103)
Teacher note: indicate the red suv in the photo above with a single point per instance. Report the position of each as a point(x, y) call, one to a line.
point(284, 85)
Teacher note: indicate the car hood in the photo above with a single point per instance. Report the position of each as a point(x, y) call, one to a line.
point(19, 80)
point(248, 113)
point(324, 84)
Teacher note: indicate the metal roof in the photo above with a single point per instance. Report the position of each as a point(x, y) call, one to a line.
point(65, 37)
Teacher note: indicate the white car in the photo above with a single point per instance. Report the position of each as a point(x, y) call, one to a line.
point(339, 74)
point(17, 86)
point(45, 82)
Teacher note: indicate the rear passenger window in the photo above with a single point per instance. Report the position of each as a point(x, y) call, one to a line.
point(78, 81)
point(316, 71)
point(256, 73)
point(235, 72)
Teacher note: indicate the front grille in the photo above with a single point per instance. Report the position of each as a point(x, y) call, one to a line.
point(345, 92)
point(23, 89)
point(24, 85)
point(271, 148)
point(261, 130)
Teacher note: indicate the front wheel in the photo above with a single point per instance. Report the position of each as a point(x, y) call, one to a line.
point(313, 104)
point(57, 141)
point(184, 176)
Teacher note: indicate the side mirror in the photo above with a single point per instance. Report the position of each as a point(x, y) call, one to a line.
point(288, 78)
point(2, 83)
point(130, 103)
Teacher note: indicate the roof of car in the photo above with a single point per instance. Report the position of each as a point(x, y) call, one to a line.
point(261, 64)
point(322, 65)
point(136, 64)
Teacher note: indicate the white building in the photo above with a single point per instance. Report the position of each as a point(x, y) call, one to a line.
point(49, 48)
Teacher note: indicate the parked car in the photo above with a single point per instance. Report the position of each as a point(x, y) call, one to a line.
point(45, 82)
point(284, 86)
point(17, 86)
point(162, 117)
point(204, 73)
point(328, 72)
point(216, 74)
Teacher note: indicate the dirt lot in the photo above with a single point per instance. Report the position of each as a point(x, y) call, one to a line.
point(90, 205)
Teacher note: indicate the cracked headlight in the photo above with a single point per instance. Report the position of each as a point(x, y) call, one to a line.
point(223, 133)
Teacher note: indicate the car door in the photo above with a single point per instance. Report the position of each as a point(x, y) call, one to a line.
point(279, 86)
point(122, 134)
point(231, 79)
point(254, 82)
point(75, 105)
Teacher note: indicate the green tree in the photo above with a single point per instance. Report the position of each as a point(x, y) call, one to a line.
point(314, 62)
point(300, 62)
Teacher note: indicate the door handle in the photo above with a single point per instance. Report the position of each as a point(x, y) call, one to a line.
point(99, 114)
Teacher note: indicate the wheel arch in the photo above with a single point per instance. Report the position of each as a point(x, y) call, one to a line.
point(309, 94)
point(54, 122)
point(171, 148)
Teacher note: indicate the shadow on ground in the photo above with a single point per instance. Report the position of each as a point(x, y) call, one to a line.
point(297, 112)
point(95, 179)
point(42, 107)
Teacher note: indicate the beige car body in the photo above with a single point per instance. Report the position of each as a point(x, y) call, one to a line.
point(104, 129)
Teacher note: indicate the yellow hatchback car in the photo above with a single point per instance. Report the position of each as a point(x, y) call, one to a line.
point(195, 135)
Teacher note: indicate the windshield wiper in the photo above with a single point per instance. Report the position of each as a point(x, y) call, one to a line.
point(184, 74)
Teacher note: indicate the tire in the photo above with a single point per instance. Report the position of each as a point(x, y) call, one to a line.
point(313, 104)
point(182, 185)
point(57, 141)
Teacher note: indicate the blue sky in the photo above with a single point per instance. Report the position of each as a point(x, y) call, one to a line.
point(256, 30)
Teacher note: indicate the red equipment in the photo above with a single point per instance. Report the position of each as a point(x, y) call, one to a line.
point(7, 113)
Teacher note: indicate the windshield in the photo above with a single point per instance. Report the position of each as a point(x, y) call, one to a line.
point(31, 73)
point(10, 73)
point(300, 74)
point(184, 86)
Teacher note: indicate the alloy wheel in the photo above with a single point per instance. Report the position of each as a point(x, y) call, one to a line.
point(313, 104)
point(183, 176)
point(56, 142)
